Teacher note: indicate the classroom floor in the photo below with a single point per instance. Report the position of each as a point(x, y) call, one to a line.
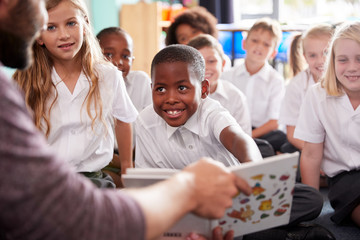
point(346, 232)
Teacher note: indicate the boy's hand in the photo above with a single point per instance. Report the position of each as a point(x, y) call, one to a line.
point(217, 234)
point(213, 186)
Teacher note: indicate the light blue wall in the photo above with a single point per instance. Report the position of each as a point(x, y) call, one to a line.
point(106, 13)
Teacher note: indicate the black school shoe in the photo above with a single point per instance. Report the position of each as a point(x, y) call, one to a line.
point(299, 232)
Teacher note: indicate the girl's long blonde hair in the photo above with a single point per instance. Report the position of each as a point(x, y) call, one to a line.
point(36, 80)
point(349, 30)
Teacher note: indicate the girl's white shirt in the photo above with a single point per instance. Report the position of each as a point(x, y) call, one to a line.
point(72, 136)
point(294, 96)
point(333, 121)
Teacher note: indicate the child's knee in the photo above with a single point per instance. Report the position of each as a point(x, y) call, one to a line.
point(311, 198)
point(355, 215)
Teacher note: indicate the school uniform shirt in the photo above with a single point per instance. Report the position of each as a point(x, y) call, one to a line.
point(235, 102)
point(159, 145)
point(138, 86)
point(264, 91)
point(333, 121)
point(294, 96)
point(72, 136)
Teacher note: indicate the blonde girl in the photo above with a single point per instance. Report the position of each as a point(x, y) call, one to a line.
point(329, 123)
point(75, 94)
point(313, 45)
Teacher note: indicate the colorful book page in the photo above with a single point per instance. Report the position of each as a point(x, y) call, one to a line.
point(269, 205)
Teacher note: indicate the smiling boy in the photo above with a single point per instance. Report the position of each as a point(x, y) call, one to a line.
point(183, 124)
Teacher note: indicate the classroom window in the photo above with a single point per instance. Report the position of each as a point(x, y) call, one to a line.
point(297, 11)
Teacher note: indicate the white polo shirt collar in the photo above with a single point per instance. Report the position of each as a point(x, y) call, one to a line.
point(262, 74)
point(191, 124)
point(81, 85)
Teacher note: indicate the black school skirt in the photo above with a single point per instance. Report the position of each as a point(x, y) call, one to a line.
point(344, 194)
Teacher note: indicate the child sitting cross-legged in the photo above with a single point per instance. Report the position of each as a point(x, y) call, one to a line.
point(117, 46)
point(262, 85)
point(183, 124)
point(223, 91)
point(78, 98)
point(329, 125)
point(314, 44)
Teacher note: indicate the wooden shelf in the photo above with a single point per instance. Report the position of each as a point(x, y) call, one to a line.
point(143, 22)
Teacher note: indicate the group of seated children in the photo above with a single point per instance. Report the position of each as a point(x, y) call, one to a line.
point(162, 129)
point(191, 108)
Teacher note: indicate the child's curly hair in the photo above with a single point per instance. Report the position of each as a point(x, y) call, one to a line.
point(198, 18)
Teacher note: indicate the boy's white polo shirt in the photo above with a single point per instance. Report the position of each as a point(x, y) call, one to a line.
point(294, 96)
point(264, 91)
point(162, 146)
point(71, 133)
point(235, 102)
point(333, 121)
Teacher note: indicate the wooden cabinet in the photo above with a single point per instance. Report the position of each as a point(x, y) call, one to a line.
point(143, 22)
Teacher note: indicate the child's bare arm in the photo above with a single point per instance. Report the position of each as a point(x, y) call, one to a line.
point(123, 132)
point(265, 128)
point(299, 144)
point(310, 161)
point(240, 144)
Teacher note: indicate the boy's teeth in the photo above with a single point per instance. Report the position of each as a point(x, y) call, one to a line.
point(173, 112)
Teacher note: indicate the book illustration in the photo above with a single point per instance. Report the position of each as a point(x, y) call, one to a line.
point(243, 215)
point(269, 202)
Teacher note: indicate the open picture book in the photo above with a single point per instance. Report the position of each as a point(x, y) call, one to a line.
point(272, 181)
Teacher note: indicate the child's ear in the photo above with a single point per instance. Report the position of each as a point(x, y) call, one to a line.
point(223, 65)
point(205, 88)
point(273, 55)
point(244, 44)
point(40, 42)
point(87, 22)
point(303, 54)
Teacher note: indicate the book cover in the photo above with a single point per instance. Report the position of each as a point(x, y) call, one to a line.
point(269, 205)
point(272, 181)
